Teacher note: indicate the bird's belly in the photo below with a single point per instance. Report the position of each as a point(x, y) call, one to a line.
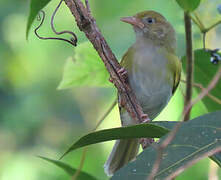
point(151, 86)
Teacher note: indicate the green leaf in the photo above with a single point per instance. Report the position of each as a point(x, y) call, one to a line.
point(188, 5)
point(204, 71)
point(170, 124)
point(35, 7)
point(85, 69)
point(68, 169)
point(136, 131)
point(193, 139)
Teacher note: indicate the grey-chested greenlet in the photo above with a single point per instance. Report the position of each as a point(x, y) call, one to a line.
point(153, 73)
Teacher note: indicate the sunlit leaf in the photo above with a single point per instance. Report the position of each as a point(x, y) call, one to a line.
point(193, 139)
point(84, 69)
point(204, 71)
point(35, 7)
point(188, 5)
point(136, 131)
point(68, 169)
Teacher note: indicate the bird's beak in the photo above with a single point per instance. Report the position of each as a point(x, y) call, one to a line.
point(133, 21)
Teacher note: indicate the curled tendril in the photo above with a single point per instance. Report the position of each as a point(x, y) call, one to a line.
point(74, 37)
point(72, 41)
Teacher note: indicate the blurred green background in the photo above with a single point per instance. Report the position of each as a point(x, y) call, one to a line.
point(37, 119)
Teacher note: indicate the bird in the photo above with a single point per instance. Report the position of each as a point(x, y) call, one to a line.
point(153, 71)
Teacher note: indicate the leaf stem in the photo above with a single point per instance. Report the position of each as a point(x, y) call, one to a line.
point(212, 26)
point(199, 21)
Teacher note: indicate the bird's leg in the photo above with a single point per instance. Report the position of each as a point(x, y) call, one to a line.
point(146, 142)
point(123, 74)
point(145, 118)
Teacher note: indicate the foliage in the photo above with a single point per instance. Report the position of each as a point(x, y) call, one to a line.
point(137, 131)
point(68, 169)
point(188, 5)
point(193, 139)
point(35, 7)
point(36, 118)
point(85, 64)
point(204, 71)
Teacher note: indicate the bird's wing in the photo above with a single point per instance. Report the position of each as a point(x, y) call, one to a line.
point(175, 67)
point(127, 59)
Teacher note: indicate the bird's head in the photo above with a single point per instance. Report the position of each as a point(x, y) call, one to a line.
point(153, 26)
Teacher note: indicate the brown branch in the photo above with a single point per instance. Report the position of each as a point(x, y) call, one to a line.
point(87, 24)
point(198, 85)
point(189, 63)
point(190, 163)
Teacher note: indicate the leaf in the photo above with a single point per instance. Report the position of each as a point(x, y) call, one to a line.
point(136, 131)
point(188, 5)
point(35, 7)
point(170, 124)
point(193, 139)
point(68, 169)
point(204, 71)
point(85, 69)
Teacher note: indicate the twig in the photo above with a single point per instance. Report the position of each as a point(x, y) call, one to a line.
point(204, 41)
point(83, 156)
point(74, 177)
point(200, 24)
point(190, 163)
point(196, 22)
point(87, 24)
point(205, 92)
point(214, 98)
point(199, 21)
point(189, 62)
point(213, 26)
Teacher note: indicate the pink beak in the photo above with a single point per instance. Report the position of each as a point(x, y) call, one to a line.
point(133, 21)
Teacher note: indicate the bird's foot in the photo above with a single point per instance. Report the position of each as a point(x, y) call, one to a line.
point(146, 142)
point(111, 80)
point(123, 73)
point(145, 118)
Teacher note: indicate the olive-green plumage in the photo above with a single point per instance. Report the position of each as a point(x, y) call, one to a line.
point(153, 72)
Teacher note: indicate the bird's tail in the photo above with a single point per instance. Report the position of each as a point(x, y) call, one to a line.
point(123, 152)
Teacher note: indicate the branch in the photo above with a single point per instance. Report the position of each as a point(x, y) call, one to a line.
point(87, 24)
point(189, 62)
point(198, 85)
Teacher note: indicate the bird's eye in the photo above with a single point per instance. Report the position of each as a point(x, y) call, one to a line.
point(150, 20)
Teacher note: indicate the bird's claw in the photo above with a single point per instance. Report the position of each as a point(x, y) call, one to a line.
point(145, 118)
point(123, 73)
point(146, 142)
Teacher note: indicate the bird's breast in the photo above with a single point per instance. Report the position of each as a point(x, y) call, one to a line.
point(150, 79)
